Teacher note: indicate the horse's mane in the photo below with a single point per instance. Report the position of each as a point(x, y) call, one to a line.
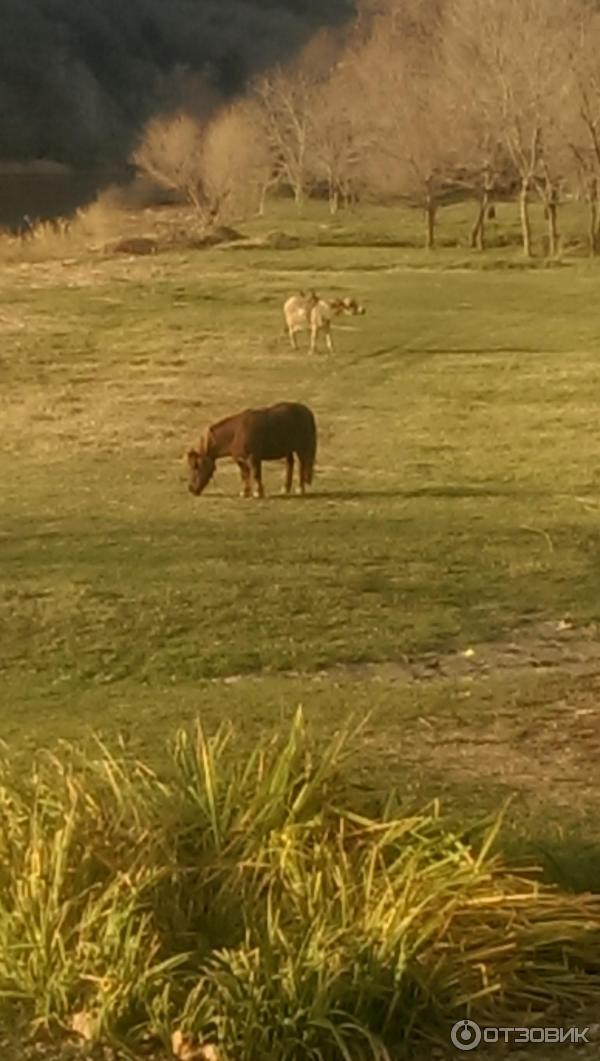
point(204, 441)
point(207, 437)
point(220, 423)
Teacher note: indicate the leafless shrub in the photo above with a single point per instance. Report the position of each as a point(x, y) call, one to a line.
point(217, 165)
point(171, 152)
point(237, 160)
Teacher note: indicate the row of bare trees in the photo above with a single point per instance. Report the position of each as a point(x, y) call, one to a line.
point(421, 101)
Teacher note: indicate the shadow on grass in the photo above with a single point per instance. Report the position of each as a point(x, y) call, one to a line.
point(443, 352)
point(442, 492)
point(450, 351)
point(460, 491)
point(573, 864)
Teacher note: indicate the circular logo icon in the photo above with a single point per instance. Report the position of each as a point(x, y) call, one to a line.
point(466, 1035)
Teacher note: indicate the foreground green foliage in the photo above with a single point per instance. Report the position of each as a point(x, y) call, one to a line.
point(237, 899)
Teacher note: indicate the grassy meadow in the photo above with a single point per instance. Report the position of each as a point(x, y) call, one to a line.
point(455, 510)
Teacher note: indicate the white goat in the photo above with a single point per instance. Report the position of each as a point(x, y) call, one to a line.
point(309, 311)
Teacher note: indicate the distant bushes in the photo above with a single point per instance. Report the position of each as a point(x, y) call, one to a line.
point(237, 904)
point(77, 80)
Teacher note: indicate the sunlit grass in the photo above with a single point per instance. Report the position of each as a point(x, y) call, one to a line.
point(455, 497)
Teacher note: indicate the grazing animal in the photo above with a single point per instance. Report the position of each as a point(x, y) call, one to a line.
point(277, 432)
point(302, 311)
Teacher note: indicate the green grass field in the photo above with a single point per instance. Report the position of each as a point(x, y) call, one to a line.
point(455, 509)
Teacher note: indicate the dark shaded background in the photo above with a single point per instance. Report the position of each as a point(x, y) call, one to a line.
point(78, 78)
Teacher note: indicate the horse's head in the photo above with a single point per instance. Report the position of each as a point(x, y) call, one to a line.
point(202, 469)
point(309, 299)
point(352, 307)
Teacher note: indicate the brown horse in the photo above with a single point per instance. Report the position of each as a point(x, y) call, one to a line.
point(255, 435)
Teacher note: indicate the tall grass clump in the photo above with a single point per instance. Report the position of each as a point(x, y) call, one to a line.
point(88, 229)
point(239, 903)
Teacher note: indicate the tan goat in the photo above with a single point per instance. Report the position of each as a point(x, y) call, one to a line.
point(310, 311)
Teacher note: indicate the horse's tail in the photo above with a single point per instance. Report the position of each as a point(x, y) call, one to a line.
point(311, 450)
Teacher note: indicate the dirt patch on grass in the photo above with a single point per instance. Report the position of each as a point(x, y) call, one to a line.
point(552, 747)
point(558, 746)
point(554, 742)
point(543, 646)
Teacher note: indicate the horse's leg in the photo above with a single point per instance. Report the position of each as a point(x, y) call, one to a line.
point(293, 339)
point(302, 475)
point(246, 490)
point(256, 470)
point(328, 339)
point(289, 472)
point(313, 340)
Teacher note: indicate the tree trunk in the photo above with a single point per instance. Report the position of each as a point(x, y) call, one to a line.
point(262, 201)
point(548, 194)
point(553, 237)
point(593, 229)
point(478, 230)
point(334, 194)
point(299, 196)
point(349, 197)
point(430, 212)
point(525, 220)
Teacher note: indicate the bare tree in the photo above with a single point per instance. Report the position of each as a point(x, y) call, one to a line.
point(267, 167)
point(482, 166)
point(216, 165)
point(286, 105)
point(515, 53)
point(581, 114)
point(412, 151)
point(287, 99)
point(341, 135)
point(237, 161)
point(171, 152)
